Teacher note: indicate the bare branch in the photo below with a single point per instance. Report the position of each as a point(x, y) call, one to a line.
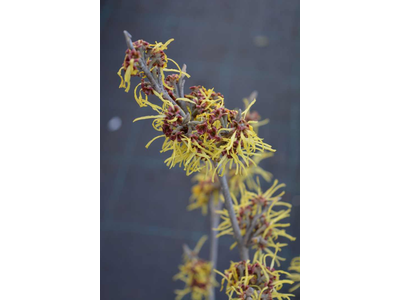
point(253, 224)
point(128, 39)
point(243, 250)
point(182, 81)
point(181, 85)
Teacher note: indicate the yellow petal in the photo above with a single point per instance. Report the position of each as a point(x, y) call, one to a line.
point(149, 143)
point(148, 117)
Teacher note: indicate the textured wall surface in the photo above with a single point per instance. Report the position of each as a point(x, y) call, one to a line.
point(235, 47)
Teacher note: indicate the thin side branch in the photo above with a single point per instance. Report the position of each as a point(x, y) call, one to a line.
point(243, 250)
point(249, 230)
point(182, 81)
point(180, 89)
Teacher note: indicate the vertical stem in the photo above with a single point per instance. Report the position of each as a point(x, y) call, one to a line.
point(243, 250)
point(214, 222)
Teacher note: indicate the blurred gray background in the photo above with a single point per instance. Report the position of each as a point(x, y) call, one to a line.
point(235, 47)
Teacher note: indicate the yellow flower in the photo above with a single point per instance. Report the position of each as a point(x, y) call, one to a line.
point(256, 280)
point(196, 273)
point(294, 276)
point(204, 190)
point(253, 170)
point(255, 213)
point(241, 143)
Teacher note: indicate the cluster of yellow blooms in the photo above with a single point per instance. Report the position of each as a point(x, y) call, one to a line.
point(257, 218)
point(256, 281)
point(196, 273)
point(259, 215)
point(203, 191)
point(206, 188)
point(196, 127)
point(206, 137)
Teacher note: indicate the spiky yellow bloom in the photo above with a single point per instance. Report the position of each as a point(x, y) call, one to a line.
point(197, 128)
point(202, 192)
point(196, 273)
point(295, 275)
point(256, 280)
point(197, 276)
point(237, 180)
point(254, 116)
point(256, 213)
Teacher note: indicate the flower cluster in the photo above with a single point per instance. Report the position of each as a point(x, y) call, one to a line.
point(257, 281)
point(295, 275)
point(258, 220)
point(196, 273)
point(236, 181)
point(142, 52)
point(203, 191)
point(197, 127)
